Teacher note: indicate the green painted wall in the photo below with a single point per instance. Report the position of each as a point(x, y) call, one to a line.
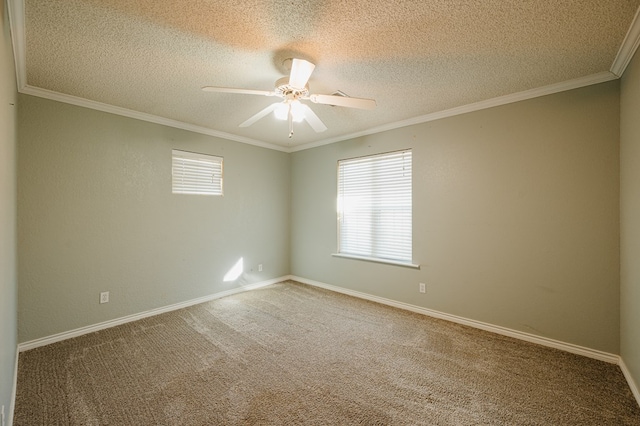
point(96, 213)
point(630, 218)
point(516, 216)
point(8, 278)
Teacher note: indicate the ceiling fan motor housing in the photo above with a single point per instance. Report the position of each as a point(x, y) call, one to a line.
point(288, 92)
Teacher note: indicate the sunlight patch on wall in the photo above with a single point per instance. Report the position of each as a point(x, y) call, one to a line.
point(235, 271)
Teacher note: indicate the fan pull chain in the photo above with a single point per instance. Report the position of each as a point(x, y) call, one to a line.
point(290, 117)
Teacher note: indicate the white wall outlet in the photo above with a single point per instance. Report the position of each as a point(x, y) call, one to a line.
point(260, 267)
point(104, 297)
point(423, 288)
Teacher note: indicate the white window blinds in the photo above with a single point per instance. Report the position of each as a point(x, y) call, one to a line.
point(374, 206)
point(194, 173)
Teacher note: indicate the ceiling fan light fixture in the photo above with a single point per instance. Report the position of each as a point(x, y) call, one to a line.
point(282, 111)
point(296, 111)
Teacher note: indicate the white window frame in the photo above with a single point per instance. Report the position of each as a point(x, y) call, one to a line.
point(195, 173)
point(374, 207)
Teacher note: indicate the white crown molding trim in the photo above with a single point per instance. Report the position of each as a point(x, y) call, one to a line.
point(477, 106)
point(628, 47)
point(556, 344)
point(630, 381)
point(18, 37)
point(86, 103)
point(564, 86)
point(17, 19)
point(18, 40)
point(36, 343)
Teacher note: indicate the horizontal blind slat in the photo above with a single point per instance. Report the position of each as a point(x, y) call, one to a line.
point(194, 173)
point(374, 206)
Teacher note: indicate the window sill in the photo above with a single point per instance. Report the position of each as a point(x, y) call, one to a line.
point(375, 260)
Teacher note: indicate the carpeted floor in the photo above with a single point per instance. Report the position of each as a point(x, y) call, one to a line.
point(293, 354)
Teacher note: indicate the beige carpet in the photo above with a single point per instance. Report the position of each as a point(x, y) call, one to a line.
point(293, 354)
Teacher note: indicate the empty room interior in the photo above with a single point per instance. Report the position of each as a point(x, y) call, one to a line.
point(494, 279)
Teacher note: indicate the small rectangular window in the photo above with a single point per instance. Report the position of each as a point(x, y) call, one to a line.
point(194, 173)
point(374, 207)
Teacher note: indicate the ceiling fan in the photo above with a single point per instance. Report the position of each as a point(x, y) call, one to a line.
point(292, 90)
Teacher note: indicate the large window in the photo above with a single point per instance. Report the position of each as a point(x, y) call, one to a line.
point(374, 207)
point(196, 173)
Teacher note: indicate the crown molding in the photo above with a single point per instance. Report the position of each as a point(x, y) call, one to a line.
point(17, 19)
point(86, 103)
point(628, 47)
point(18, 37)
point(477, 106)
point(588, 80)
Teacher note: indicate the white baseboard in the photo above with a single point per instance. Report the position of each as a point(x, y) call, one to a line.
point(12, 403)
point(568, 347)
point(32, 344)
point(630, 381)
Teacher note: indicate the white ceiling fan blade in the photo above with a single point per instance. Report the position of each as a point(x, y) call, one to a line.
point(241, 91)
point(259, 115)
point(300, 72)
point(343, 101)
point(313, 120)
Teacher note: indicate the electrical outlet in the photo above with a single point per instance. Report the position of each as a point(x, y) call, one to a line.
point(104, 297)
point(260, 267)
point(423, 288)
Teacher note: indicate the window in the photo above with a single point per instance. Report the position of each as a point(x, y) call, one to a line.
point(374, 207)
point(196, 173)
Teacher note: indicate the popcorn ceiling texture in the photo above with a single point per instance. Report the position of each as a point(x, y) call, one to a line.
point(413, 57)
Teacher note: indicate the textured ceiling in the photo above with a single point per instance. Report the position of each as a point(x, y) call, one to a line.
point(413, 57)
